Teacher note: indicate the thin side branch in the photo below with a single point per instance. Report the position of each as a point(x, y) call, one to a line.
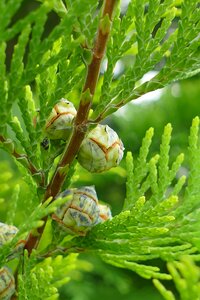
point(22, 158)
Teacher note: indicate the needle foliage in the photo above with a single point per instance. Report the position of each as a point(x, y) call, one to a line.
point(43, 61)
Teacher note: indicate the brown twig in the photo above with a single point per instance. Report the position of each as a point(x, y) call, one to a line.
point(80, 126)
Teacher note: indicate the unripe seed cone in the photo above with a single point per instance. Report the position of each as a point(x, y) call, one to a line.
point(7, 284)
point(101, 150)
point(81, 213)
point(7, 233)
point(104, 213)
point(60, 121)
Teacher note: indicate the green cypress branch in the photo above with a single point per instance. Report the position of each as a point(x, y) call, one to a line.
point(149, 228)
point(185, 275)
point(151, 48)
point(160, 217)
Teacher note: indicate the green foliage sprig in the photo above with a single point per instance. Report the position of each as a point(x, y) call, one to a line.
point(186, 277)
point(150, 226)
